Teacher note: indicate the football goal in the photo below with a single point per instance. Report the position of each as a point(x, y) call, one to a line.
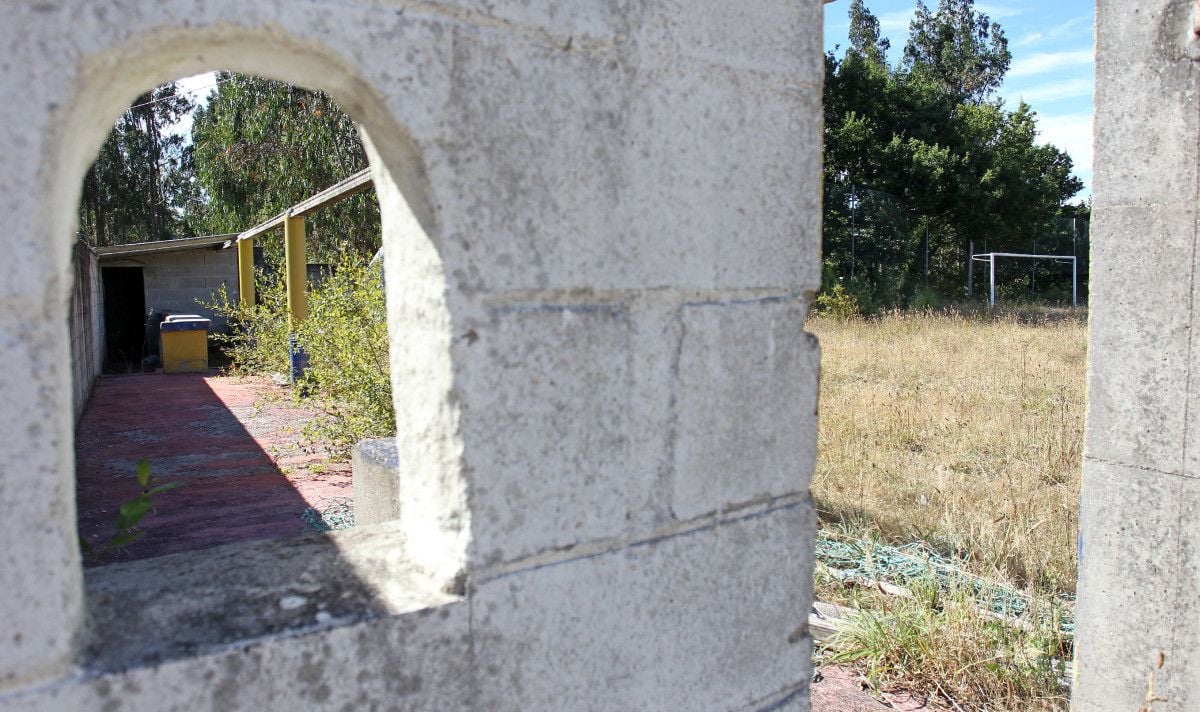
point(990, 258)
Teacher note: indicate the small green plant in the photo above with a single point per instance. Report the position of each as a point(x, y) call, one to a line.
point(838, 303)
point(129, 515)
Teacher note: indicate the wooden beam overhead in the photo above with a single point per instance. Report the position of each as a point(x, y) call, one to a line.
point(353, 185)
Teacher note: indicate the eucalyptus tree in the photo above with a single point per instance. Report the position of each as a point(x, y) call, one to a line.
point(261, 146)
point(958, 47)
point(139, 187)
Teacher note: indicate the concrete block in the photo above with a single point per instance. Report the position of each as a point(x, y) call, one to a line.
point(1142, 60)
point(589, 23)
point(754, 359)
point(1139, 323)
point(697, 137)
point(159, 609)
point(548, 433)
point(41, 601)
point(711, 619)
point(757, 34)
point(417, 660)
point(376, 468)
point(1191, 464)
point(1179, 680)
point(701, 163)
point(539, 234)
point(1130, 554)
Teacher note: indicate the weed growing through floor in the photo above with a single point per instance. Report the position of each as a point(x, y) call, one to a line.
point(129, 515)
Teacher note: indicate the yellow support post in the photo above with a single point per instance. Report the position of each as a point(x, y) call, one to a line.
point(245, 250)
point(297, 270)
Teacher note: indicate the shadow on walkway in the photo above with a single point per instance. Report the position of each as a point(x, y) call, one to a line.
point(233, 445)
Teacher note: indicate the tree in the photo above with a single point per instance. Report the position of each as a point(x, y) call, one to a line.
point(865, 38)
point(959, 48)
point(914, 164)
point(262, 145)
point(138, 187)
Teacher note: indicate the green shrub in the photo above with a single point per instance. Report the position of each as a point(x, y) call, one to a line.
point(345, 337)
point(838, 303)
point(925, 299)
point(257, 341)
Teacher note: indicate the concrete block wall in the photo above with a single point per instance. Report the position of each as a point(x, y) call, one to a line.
point(601, 227)
point(178, 282)
point(86, 325)
point(1140, 511)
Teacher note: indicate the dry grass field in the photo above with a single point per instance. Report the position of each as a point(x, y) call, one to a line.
point(962, 432)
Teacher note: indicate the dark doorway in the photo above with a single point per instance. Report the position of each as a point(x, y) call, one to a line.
point(124, 318)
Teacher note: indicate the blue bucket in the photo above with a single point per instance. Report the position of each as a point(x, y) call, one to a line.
point(297, 358)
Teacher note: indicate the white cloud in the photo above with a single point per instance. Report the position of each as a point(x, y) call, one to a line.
point(1043, 62)
point(198, 83)
point(197, 87)
point(894, 21)
point(1071, 133)
point(996, 11)
point(1074, 26)
point(1054, 91)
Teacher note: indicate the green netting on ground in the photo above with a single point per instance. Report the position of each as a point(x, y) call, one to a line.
point(335, 513)
point(865, 560)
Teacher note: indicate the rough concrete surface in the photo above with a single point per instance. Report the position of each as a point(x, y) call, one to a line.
point(1139, 562)
point(376, 473)
point(561, 185)
point(659, 625)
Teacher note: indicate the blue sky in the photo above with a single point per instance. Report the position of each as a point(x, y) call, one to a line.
point(1052, 61)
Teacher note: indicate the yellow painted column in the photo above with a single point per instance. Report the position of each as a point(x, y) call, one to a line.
point(245, 250)
point(297, 270)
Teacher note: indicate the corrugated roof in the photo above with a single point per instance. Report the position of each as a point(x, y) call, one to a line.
point(177, 245)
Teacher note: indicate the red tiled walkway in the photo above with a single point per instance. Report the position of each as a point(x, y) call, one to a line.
point(234, 444)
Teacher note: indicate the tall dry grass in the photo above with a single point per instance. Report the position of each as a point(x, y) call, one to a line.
point(962, 431)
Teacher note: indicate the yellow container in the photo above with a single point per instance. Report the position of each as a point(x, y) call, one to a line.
point(183, 343)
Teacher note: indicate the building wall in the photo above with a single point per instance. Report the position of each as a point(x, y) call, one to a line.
point(177, 282)
point(86, 325)
point(1136, 617)
point(602, 236)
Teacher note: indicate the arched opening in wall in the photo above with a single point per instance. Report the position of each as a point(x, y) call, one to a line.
point(243, 338)
point(254, 445)
point(142, 607)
